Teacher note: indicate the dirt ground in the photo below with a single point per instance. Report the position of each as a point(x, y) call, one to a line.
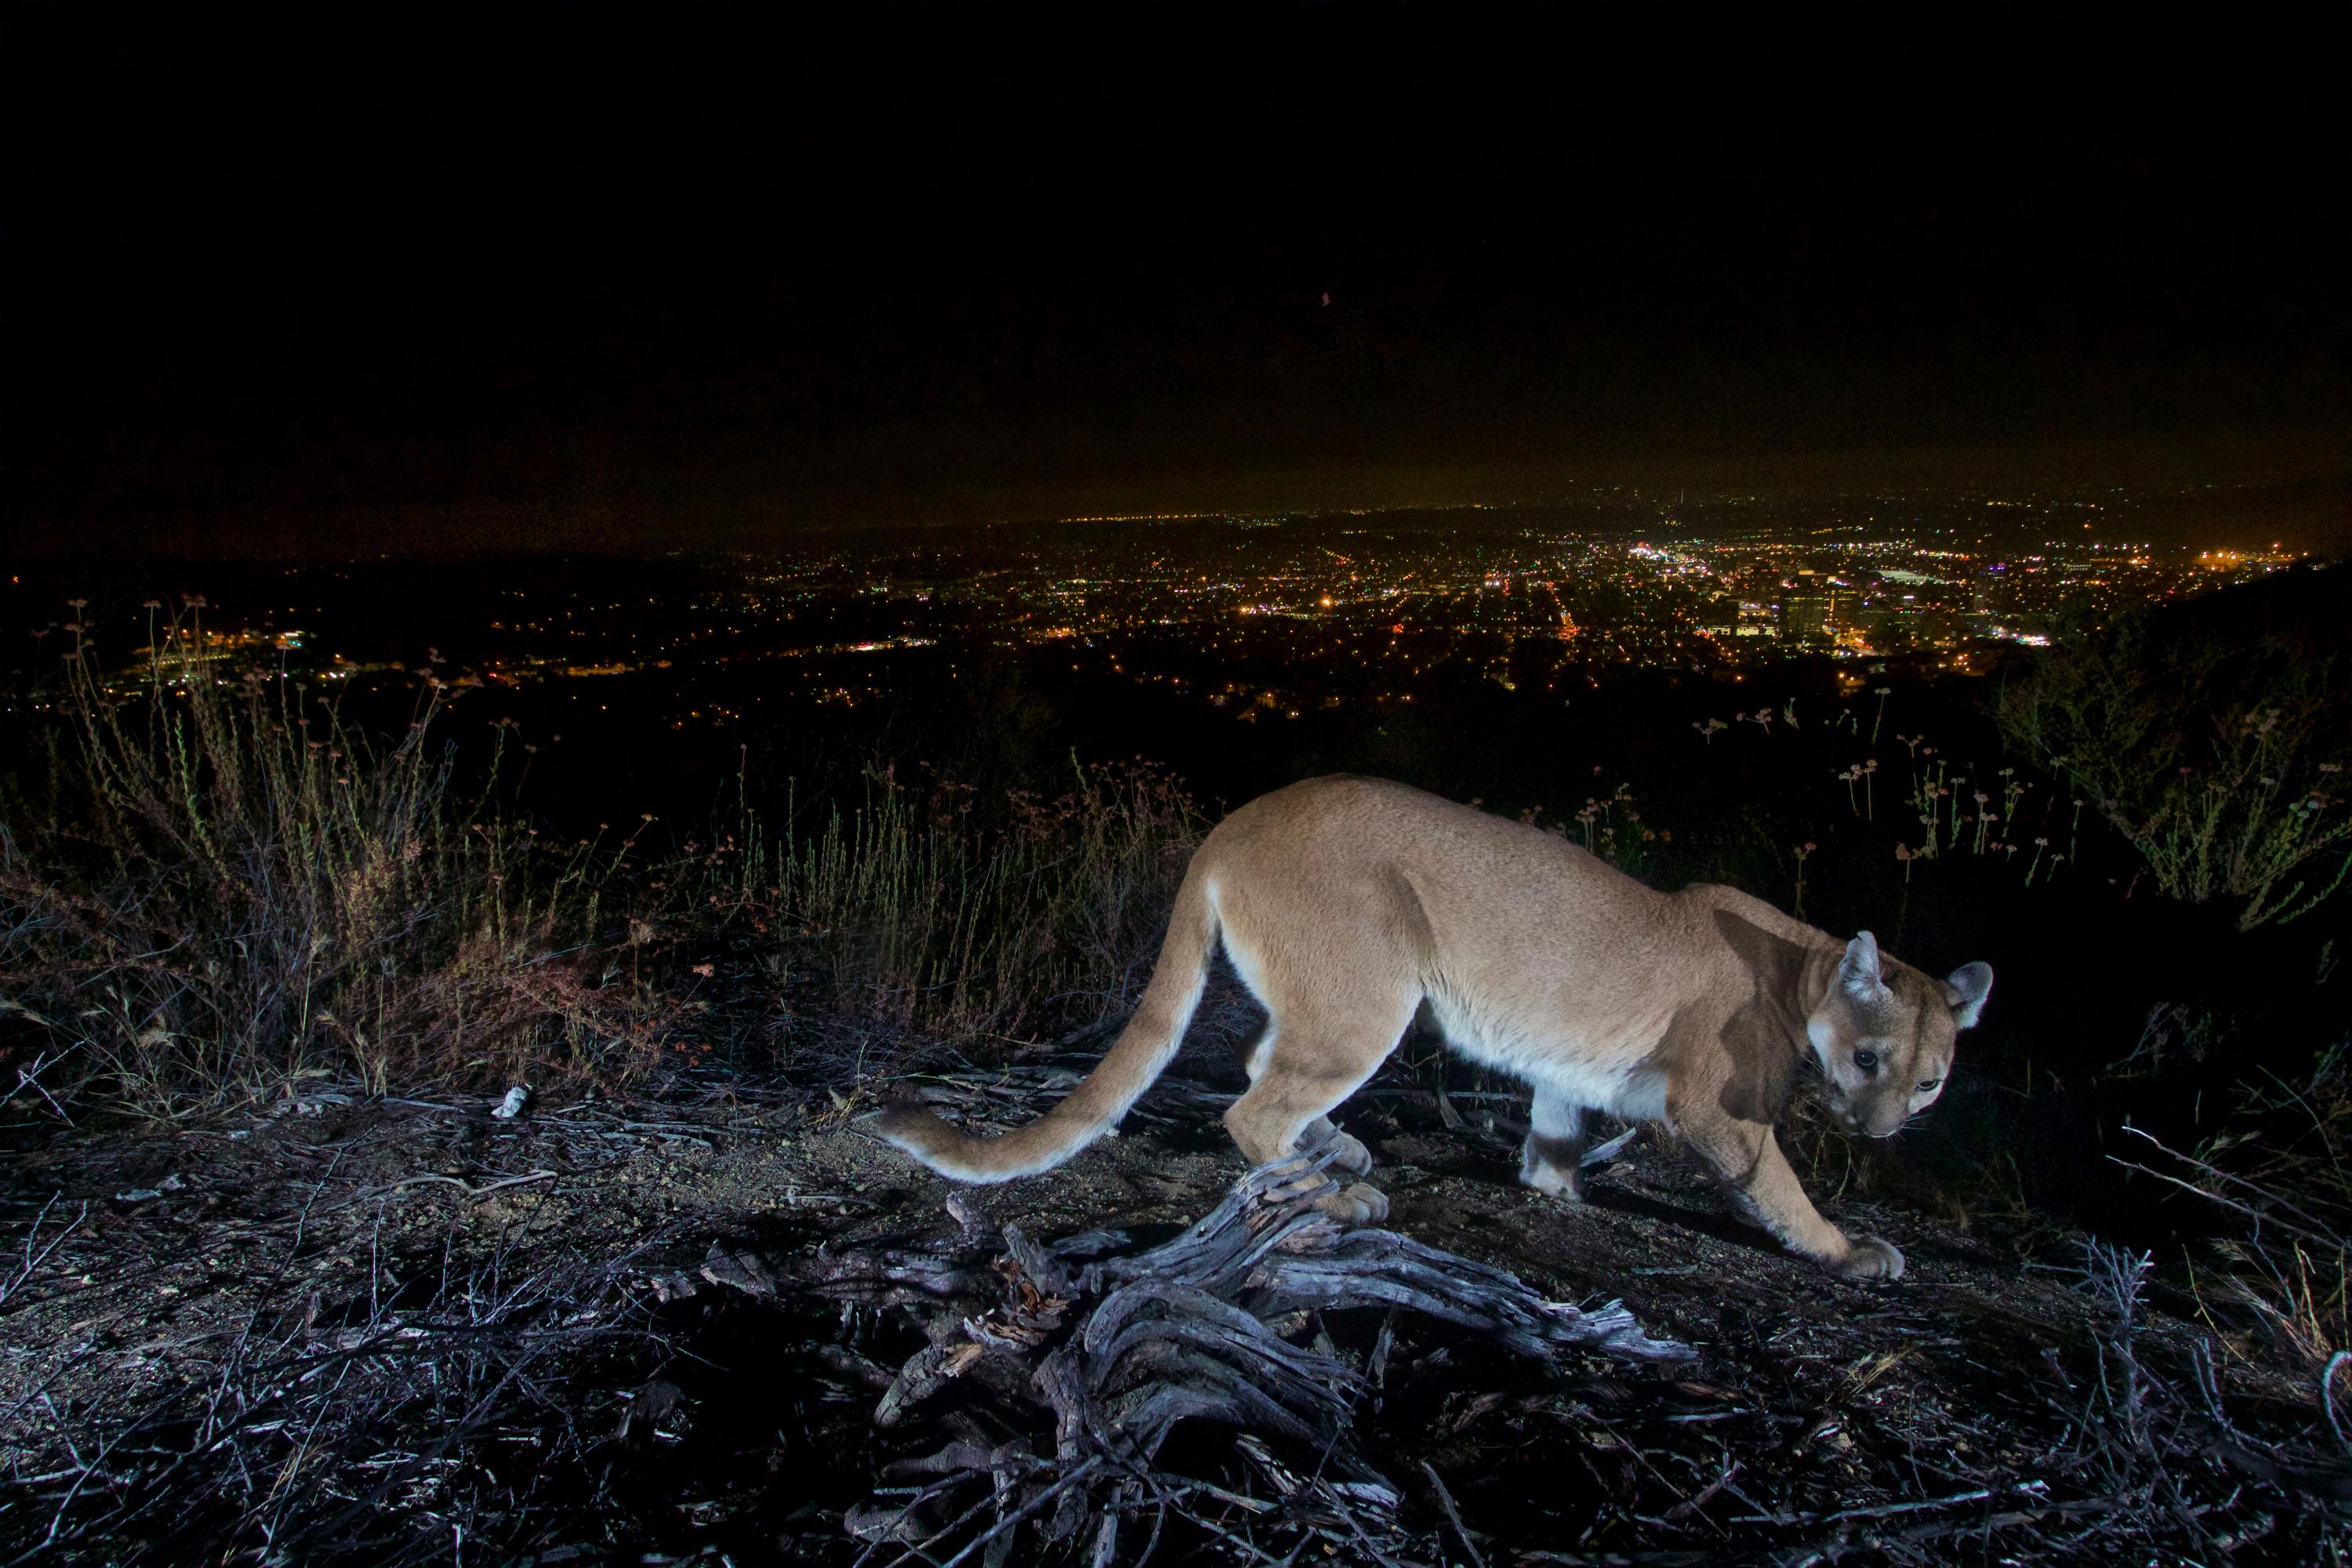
point(403, 1330)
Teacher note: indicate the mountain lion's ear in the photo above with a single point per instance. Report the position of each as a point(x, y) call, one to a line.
point(1966, 989)
point(1858, 970)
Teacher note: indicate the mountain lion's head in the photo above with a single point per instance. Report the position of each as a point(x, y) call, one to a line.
point(1884, 1033)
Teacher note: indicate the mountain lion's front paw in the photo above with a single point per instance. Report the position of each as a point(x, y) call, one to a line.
point(1357, 1205)
point(1565, 1184)
point(1869, 1259)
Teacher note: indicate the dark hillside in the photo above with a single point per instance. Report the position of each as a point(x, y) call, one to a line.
point(268, 967)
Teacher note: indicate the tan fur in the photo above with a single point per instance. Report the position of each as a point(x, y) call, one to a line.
point(1345, 902)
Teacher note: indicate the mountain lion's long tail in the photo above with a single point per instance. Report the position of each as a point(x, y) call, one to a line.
point(1141, 1052)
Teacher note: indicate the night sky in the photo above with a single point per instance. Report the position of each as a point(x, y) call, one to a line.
point(600, 278)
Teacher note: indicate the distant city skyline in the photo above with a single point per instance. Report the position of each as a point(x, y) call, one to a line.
point(1264, 617)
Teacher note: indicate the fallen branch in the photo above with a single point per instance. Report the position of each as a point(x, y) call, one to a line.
point(1121, 1350)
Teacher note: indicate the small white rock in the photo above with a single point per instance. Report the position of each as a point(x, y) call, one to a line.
point(509, 1107)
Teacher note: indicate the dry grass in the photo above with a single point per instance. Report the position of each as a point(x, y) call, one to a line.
point(2219, 756)
point(231, 888)
point(2278, 1289)
point(921, 910)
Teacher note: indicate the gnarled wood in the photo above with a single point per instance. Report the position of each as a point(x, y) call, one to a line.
point(1124, 1348)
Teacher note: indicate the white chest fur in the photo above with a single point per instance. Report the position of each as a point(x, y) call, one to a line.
point(1605, 1070)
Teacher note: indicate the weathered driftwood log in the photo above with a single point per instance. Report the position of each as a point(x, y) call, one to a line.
point(1120, 1350)
point(1268, 1247)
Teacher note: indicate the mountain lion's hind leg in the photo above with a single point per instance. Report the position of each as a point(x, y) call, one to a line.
point(1349, 1152)
point(1313, 1064)
point(1555, 1148)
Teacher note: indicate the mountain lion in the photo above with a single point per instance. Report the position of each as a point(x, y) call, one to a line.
point(1345, 902)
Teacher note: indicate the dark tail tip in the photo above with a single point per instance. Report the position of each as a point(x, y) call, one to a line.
point(911, 1124)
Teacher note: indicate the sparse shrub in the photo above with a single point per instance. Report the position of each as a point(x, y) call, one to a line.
point(231, 888)
point(1610, 826)
point(234, 889)
point(2283, 1282)
point(2216, 746)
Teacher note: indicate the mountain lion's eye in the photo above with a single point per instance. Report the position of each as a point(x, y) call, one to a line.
point(1927, 1083)
point(1866, 1060)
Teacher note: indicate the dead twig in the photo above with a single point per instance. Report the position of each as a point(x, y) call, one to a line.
point(1453, 1514)
point(33, 1259)
point(471, 1189)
